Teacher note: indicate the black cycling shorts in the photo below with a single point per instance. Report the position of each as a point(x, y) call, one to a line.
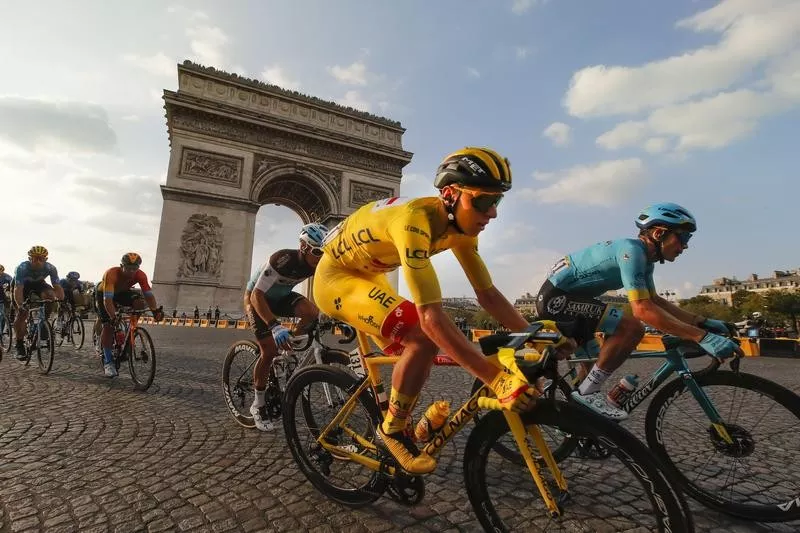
point(123, 298)
point(589, 313)
point(282, 307)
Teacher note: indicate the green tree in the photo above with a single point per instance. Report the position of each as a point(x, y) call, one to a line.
point(708, 307)
point(784, 304)
point(739, 297)
point(483, 320)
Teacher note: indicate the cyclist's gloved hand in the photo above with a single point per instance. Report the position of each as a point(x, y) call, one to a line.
point(514, 394)
point(716, 326)
point(281, 336)
point(718, 346)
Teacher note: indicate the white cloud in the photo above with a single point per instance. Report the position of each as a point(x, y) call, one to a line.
point(605, 183)
point(130, 118)
point(752, 33)
point(355, 100)
point(39, 125)
point(207, 44)
point(522, 52)
point(159, 64)
point(354, 74)
point(558, 132)
point(519, 7)
point(708, 123)
point(274, 74)
point(472, 72)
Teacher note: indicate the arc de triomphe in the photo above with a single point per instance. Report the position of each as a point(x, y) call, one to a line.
point(237, 144)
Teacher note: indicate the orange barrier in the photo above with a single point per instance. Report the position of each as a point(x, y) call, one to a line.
point(241, 324)
point(222, 324)
point(204, 323)
point(750, 347)
point(478, 333)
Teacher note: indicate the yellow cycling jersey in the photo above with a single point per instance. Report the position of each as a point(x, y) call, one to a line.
point(383, 235)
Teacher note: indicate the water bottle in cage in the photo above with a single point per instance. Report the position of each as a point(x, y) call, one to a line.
point(432, 421)
point(622, 391)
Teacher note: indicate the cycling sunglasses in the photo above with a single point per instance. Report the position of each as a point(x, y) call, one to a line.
point(316, 252)
point(130, 268)
point(482, 200)
point(684, 237)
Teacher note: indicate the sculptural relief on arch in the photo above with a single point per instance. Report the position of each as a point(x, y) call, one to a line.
point(237, 144)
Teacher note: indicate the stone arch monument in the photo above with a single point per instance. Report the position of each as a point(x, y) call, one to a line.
point(237, 144)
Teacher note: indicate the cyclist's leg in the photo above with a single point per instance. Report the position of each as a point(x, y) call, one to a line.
point(107, 334)
point(21, 292)
point(268, 349)
point(371, 304)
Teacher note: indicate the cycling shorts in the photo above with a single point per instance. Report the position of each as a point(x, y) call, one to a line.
point(590, 314)
point(123, 298)
point(366, 301)
point(282, 307)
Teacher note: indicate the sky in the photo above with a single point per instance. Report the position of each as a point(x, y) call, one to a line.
point(603, 107)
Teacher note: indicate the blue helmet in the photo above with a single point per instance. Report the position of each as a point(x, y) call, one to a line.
point(73, 275)
point(313, 234)
point(666, 214)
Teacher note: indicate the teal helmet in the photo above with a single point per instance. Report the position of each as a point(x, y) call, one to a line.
point(668, 215)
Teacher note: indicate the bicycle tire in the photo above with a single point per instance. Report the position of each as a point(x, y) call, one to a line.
point(238, 393)
point(44, 357)
point(668, 507)
point(79, 330)
point(786, 509)
point(560, 452)
point(143, 382)
point(332, 376)
point(8, 334)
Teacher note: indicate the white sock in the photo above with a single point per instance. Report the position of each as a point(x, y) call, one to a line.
point(594, 381)
point(260, 401)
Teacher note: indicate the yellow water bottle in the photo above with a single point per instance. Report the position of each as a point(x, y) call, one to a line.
point(432, 421)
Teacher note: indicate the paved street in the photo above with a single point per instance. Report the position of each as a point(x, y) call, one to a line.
point(80, 452)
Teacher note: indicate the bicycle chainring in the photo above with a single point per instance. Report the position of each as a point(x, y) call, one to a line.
point(406, 490)
point(272, 397)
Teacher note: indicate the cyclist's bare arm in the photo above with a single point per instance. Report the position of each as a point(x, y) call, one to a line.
point(259, 302)
point(151, 302)
point(18, 294)
point(651, 313)
point(443, 332)
point(674, 310)
point(58, 290)
point(500, 308)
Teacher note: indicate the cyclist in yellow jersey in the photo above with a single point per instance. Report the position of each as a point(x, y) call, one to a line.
point(351, 285)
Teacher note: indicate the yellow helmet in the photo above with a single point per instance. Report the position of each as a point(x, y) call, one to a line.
point(130, 259)
point(482, 168)
point(37, 251)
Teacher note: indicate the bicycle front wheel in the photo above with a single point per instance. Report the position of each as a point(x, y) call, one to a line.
point(142, 360)
point(237, 380)
point(757, 477)
point(326, 389)
point(624, 492)
point(44, 346)
point(76, 332)
point(7, 334)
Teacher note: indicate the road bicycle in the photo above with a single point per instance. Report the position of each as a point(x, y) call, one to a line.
point(237, 370)
point(728, 438)
point(6, 327)
point(132, 343)
point(68, 325)
point(38, 337)
point(330, 416)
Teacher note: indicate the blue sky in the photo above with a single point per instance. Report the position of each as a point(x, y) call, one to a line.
point(602, 107)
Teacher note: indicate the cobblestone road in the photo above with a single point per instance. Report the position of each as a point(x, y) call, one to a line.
point(79, 452)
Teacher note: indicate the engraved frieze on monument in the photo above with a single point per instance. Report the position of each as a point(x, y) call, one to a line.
point(208, 166)
point(201, 248)
point(332, 178)
point(364, 193)
point(290, 143)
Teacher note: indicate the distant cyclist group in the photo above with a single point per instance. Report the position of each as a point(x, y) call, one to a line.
point(350, 263)
point(30, 279)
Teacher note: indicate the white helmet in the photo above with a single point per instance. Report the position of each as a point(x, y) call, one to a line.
point(756, 314)
point(313, 234)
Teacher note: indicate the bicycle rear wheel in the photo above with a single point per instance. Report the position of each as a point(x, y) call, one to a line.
point(625, 492)
point(326, 389)
point(77, 333)
point(142, 360)
point(755, 478)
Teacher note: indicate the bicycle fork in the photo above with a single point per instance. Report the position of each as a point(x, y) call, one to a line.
point(521, 437)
